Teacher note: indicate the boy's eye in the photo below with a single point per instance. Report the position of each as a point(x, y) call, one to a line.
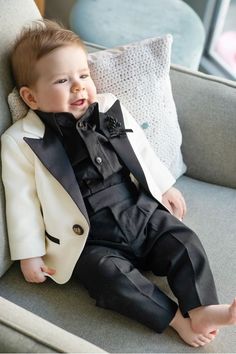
point(61, 81)
point(84, 76)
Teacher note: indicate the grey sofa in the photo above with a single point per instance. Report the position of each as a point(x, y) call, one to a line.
point(51, 318)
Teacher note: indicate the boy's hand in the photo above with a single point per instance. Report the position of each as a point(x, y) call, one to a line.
point(174, 201)
point(34, 270)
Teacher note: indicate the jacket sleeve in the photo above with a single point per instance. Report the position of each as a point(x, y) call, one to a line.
point(25, 224)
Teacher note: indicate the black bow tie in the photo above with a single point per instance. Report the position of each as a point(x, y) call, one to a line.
point(60, 120)
point(90, 119)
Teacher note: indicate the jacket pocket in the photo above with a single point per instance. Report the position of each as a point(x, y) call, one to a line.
point(52, 238)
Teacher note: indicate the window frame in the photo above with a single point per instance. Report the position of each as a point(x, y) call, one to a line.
point(211, 62)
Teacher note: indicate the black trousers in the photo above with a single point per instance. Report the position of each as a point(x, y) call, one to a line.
point(112, 272)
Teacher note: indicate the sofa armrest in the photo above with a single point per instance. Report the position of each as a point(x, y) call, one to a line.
point(25, 332)
point(206, 107)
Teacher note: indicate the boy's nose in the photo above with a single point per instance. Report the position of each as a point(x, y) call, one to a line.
point(76, 87)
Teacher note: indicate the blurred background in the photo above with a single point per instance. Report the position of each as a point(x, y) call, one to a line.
point(218, 18)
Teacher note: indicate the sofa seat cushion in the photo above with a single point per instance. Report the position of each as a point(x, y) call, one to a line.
point(22, 331)
point(211, 213)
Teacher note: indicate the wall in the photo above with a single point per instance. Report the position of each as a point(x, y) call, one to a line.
point(59, 10)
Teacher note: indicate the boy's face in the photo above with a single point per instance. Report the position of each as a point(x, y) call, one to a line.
point(64, 83)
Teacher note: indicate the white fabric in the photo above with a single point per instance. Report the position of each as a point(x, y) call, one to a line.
point(138, 74)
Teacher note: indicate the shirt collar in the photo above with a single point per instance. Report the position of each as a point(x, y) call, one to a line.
point(60, 120)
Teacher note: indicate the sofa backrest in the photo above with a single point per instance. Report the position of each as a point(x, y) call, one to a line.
point(14, 14)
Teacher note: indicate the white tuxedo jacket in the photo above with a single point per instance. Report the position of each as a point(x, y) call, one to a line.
point(46, 215)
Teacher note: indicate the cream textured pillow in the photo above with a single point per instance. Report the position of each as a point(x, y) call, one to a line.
point(138, 74)
point(17, 106)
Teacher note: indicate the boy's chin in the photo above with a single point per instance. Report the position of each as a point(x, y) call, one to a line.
point(80, 114)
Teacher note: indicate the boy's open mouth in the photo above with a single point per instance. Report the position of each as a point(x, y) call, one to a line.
point(78, 102)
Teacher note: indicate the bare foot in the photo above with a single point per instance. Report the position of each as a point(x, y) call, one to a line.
point(184, 329)
point(207, 319)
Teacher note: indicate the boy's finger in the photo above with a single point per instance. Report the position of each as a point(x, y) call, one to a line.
point(40, 278)
point(49, 271)
point(168, 205)
point(178, 213)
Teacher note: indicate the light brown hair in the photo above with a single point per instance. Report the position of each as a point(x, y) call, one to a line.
point(35, 41)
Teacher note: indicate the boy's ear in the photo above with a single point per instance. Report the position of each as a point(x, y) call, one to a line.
point(28, 97)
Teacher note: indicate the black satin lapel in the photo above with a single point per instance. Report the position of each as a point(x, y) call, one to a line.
point(53, 156)
point(122, 145)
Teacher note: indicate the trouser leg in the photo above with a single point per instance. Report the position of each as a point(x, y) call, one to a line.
point(116, 284)
point(179, 255)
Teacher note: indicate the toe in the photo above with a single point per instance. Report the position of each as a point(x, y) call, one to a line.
point(200, 342)
point(194, 344)
point(203, 340)
point(210, 336)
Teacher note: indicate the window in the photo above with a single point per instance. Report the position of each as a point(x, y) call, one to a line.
point(220, 50)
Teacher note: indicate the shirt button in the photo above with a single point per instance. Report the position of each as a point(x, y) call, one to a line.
point(78, 230)
point(98, 160)
point(80, 124)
